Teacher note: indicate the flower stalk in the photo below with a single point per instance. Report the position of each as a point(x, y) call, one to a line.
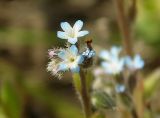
point(71, 59)
point(85, 95)
point(124, 26)
point(124, 23)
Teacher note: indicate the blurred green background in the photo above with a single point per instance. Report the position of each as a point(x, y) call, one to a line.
point(28, 29)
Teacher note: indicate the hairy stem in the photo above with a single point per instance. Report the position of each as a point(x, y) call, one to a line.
point(85, 95)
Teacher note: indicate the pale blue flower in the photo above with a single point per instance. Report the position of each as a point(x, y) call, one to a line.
point(109, 55)
point(135, 63)
point(112, 63)
point(70, 59)
point(72, 33)
point(114, 66)
point(120, 88)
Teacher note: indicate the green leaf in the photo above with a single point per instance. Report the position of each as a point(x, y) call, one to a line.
point(10, 100)
point(101, 100)
point(151, 83)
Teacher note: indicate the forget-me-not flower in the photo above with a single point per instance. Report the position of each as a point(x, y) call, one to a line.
point(112, 63)
point(120, 88)
point(72, 33)
point(135, 63)
point(70, 59)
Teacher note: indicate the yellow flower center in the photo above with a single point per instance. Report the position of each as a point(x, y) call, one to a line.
point(72, 34)
point(72, 59)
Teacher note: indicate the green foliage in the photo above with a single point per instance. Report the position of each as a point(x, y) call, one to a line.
point(151, 83)
point(10, 100)
point(56, 102)
point(102, 100)
point(18, 83)
point(148, 22)
point(21, 36)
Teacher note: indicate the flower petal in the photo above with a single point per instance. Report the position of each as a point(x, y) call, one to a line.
point(115, 51)
point(105, 65)
point(80, 59)
point(104, 55)
point(120, 88)
point(73, 49)
point(128, 60)
point(82, 33)
point(62, 35)
point(75, 69)
point(110, 68)
point(62, 55)
point(62, 67)
point(138, 62)
point(66, 27)
point(72, 40)
point(78, 25)
point(121, 64)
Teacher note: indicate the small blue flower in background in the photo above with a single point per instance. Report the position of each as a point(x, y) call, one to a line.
point(109, 55)
point(72, 34)
point(70, 59)
point(113, 67)
point(120, 88)
point(112, 63)
point(89, 53)
point(135, 63)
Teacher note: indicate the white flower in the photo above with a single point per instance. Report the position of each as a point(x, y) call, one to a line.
point(112, 63)
point(70, 59)
point(72, 34)
point(135, 63)
point(120, 88)
point(109, 55)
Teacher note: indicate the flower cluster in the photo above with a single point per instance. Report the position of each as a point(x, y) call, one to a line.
point(135, 63)
point(114, 64)
point(69, 58)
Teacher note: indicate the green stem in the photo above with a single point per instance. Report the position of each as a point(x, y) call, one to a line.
point(85, 95)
